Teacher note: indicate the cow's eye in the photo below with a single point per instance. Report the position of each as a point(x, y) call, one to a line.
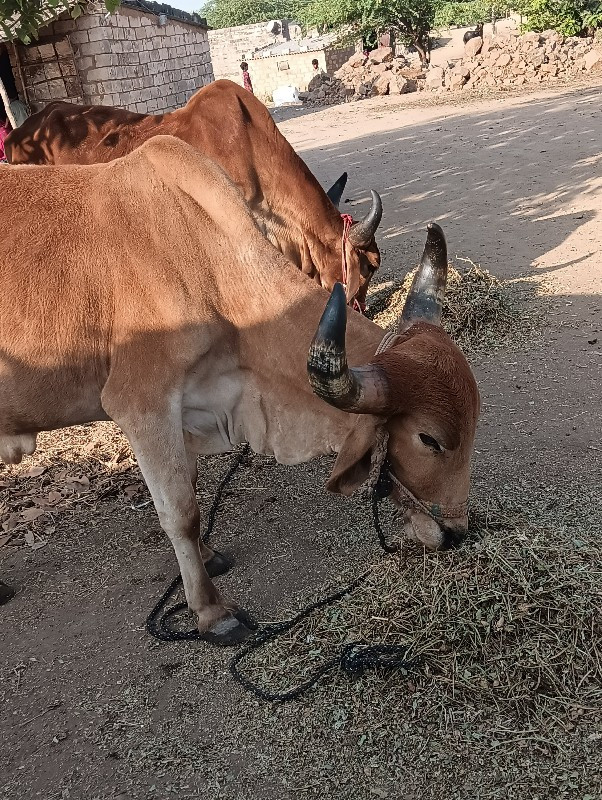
point(430, 442)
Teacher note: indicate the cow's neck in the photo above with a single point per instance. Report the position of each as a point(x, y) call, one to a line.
point(278, 413)
point(304, 225)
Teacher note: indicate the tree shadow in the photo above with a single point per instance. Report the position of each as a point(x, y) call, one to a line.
point(518, 197)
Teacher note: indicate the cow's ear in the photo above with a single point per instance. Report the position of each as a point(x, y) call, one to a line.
point(352, 466)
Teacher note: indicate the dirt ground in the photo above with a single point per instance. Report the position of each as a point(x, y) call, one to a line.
point(93, 708)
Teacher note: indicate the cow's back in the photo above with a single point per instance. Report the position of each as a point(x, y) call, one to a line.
point(66, 133)
point(222, 121)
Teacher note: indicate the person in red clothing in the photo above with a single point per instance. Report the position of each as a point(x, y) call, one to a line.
point(246, 78)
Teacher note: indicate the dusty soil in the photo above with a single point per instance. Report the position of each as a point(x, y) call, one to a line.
point(94, 708)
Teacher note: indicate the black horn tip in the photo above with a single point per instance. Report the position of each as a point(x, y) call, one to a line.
point(436, 246)
point(336, 190)
point(377, 204)
point(334, 319)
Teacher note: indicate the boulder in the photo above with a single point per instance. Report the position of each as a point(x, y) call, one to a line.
point(356, 60)
point(381, 55)
point(378, 69)
point(535, 57)
point(381, 85)
point(435, 77)
point(503, 60)
point(473, 46)
point(592, 61)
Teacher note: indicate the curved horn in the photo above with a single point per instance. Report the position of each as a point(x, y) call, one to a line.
point(362, 233)
point(361, 390)
point(336, 190)
point(425, 298)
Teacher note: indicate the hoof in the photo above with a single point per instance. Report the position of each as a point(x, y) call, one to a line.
point(218, 565)
point(6, 593)
point(233, 630)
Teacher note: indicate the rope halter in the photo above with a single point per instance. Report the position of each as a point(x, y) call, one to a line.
point(381, 479)
point(347, 223)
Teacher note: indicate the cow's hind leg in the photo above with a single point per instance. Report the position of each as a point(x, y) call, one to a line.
point(157, 440)
point(216, 563)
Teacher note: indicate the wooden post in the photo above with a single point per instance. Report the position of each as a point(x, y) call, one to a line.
point(6, 102)
point(20, 73)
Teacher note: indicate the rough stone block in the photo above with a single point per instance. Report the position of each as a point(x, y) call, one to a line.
point(473, 47)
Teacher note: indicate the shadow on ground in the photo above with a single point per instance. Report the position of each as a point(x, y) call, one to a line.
point(517, 182)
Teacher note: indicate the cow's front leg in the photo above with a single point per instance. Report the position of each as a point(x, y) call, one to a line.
point(158, 444)
point(216, 563)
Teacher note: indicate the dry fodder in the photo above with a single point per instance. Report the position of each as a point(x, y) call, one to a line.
point(78, 465)
point(480, 311)
point(508, 627)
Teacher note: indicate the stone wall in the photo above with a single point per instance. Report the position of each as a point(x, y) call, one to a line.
point(230, 46)
point(336, 58)
point(512, 60)
point(126, 60)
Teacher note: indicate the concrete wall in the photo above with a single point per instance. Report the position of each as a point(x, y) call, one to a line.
point(230, 46)
point(294, 69)
point(124, 60)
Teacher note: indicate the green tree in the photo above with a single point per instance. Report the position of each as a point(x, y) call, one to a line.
point(410, 20)
point(468, 12)
point(228, 13)
point(568, 17)
point(22, 19)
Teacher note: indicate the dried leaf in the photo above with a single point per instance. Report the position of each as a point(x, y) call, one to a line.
point(6, 538)
point(30, 539)
point(11, 522)
point(29, 514)
point(33, 472)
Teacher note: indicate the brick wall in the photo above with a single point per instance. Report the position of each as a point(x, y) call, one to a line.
point(124, 60)
point(294, 69)
point(230, 46)
point(336, 58)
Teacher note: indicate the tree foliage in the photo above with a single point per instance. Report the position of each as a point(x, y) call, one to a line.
point(568, 17)
point(410, 20)
point(228, 13)
point(468, 12)
point(22, 19)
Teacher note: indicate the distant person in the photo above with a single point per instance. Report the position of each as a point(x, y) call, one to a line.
point(315, 65)
point(246, 78)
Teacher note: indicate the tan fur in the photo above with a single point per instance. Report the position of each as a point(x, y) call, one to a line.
point(143, 291)
point(231, 126)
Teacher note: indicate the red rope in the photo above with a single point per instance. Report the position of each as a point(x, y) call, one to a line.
point(347, 223)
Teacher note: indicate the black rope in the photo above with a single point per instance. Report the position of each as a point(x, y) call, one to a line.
point(354, 658)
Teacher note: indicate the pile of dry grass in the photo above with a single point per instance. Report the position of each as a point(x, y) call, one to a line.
point(480, 311)
point(510, 624)
point(82, 464)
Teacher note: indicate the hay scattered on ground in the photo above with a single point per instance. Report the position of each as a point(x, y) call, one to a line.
point(508, 627)
point(79, 465)
point(480, 311)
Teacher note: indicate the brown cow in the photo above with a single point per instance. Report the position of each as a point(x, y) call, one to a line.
point(234, 128)
point(194, 337)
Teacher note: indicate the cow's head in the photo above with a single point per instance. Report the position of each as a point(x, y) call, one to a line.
point(362, 256)
point(421, 389)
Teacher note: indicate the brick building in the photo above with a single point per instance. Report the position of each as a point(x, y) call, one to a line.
point(147, 57)
point(276, 54)
point(289, 63)
point(230, 46)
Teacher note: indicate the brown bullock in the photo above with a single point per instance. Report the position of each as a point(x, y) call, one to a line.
point(231, 126)
point(194, 337)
